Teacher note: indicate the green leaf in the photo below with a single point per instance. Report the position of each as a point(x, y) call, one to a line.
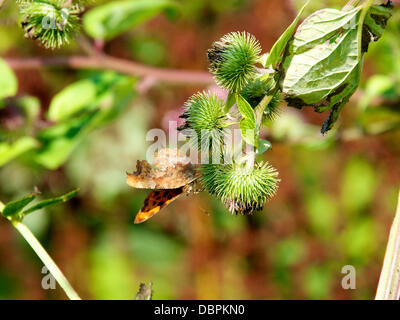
point(339, 100)
point(263, 145)
point(321, 57)
point(9, 152)
point(111, 19)
point(8, 81)
point(245, 108)
point(72, 99)
point(113, 93)
point(230, 101)
point(248, 123)
point(323, 62)
point(275, 55)
point(60, 140)
point(248, 132)
point(376, 20)
point(14, 208)
point(49, 202)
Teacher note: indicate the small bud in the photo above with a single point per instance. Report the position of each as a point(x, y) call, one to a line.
point(233, 58)
point(242, 189)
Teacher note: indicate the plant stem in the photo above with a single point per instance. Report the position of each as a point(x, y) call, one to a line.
point(261, 107)
point(351, 5)
point(103, 61)
point(46, 259)
point(44, 256)
point(366, 5)
point(389, 281)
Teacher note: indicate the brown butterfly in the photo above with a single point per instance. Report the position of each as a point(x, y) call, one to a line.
point(171, 176)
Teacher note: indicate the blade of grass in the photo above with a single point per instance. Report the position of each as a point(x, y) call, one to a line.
point(389, 281)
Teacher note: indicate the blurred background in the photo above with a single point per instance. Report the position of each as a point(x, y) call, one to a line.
point(334, 207)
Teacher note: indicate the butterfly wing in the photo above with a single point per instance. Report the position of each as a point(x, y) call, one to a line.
point(157, 200)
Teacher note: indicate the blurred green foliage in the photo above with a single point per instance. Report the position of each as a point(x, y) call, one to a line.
point(64, 130)
point(116, 17)
point(8, 81)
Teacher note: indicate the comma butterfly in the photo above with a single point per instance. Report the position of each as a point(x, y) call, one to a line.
point(171, 176)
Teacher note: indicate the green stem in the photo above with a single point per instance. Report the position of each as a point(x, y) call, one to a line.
point(366, 5)
point(261, 107)
point(389, 281)
point(44, 256)
point(46, 259)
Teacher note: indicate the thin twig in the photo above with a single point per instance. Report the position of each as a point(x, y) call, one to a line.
point(104, 62)
point(389, 281)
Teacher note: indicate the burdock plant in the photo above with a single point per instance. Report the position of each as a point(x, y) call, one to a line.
point(296, 69)
point(318, 65)
point(233, 58)
point(242, 186)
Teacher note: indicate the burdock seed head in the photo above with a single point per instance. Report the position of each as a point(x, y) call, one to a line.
point(206, 117)
point(233, 58)
point(242, 189)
